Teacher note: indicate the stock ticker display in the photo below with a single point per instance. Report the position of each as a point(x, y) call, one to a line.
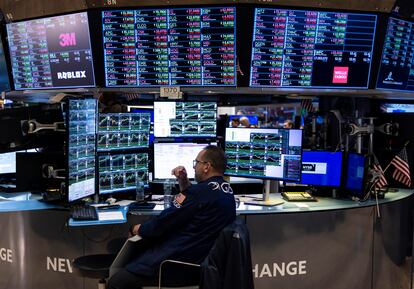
point(185, 119)
point(293, 48)
point(264, 153)
point(397, 63)
point(118, 131)
point(122, 172)
point(182, 47)
point(51, 52)
point(81, 148)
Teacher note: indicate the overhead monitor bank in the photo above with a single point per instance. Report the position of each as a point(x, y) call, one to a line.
point(52, 52)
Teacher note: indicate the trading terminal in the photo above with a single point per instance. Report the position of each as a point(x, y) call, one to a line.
point(100, 101)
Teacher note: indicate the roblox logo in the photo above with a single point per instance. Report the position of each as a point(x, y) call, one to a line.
point(340, 74)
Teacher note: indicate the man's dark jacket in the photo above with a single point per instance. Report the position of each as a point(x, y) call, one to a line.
point(188, 229)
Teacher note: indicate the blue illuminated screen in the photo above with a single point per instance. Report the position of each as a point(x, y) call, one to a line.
point(355, 172)
point(321, 168)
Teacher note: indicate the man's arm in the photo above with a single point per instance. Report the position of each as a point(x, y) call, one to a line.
point(181, 174)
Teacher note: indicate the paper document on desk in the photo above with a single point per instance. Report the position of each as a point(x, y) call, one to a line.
point(124, 255)
point(110, 216)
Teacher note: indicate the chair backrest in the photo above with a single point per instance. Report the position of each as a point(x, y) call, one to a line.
point(229, 264)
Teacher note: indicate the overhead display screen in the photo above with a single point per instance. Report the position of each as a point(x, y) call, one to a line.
point(161, 47)
point(311, 49)
point(397, 63)
point(51, 52)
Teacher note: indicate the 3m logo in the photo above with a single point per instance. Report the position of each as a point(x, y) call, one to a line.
point(340, 74)
point(67, 39)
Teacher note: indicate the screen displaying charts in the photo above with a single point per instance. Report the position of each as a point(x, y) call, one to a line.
point(118, 131)
point(298, 48)
point(185, 119)
point(81, 129)
point(184, 154)
point(51, 52)
point(397, 63)
point(264, 153)
point(119, 173)
point(182, 47)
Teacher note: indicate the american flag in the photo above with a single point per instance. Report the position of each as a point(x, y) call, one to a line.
point(402, 169)
point(306, 105)
point(381, 181)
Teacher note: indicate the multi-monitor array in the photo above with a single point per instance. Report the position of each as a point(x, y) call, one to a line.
point(122, 166)
point(196, 46)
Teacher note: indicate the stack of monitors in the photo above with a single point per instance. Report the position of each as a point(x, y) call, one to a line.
point(81, 146)
point(264, 153)
point(51, 52)
point(180, 46)
point(311, 49)
point(185, 119)
point(397, 63)
point(119, 131)
point(120, 173)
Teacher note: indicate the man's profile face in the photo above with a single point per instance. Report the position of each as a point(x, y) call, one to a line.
point(199, 168)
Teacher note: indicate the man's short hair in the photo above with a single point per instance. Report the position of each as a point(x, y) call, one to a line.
point(216, 157)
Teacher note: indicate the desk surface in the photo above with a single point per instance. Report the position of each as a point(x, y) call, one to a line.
point(27, 201)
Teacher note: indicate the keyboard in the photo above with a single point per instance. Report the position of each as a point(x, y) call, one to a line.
point(83, 213)
point(139, 206)
point(298, 197)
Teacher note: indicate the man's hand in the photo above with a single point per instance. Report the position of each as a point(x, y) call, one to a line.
point(133, 230)
point(181, 174)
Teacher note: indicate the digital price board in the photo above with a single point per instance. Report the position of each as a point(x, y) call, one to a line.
point(161, 47)
point(311, 49)
point(51, 52)
point(397, 62)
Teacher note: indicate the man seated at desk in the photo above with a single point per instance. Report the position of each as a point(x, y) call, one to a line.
point(188, 229)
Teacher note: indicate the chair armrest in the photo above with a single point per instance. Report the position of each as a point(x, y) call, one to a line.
point(174, 262)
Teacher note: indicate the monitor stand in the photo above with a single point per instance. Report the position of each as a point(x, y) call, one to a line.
point(265, 201)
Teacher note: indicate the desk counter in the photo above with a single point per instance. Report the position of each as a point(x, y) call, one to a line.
point(330, 244)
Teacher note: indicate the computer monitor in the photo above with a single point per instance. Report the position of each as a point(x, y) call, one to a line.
point(311, 49)
point(145, 109)
point(167, 156)
point(8, 162)
point(355, 174)
point(52, 52)
point(185, 119)
point(120, 131)
point(170, 46)
point(321, 168)
point(81, 148)
point(4, 75)
point(397, 108)
point(264, 153)
point(122, 172)
point(396, 71)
